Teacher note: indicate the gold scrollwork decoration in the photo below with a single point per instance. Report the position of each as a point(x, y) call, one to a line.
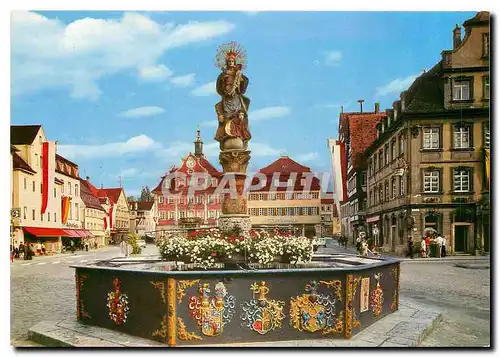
point(162, 331)
point(171, 312)
point(336, 285)
point(395, 295)
point(182, 285)
point(355, 321)
point(348, 306)
point(339, 325)
point(160, 286)
point(80, 307)
point(182, 332)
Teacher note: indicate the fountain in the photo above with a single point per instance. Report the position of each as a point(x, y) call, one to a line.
point(330, 296)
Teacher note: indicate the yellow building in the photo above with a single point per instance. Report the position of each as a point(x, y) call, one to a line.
point(29, 225)
point(94, 215)
point(289, 200)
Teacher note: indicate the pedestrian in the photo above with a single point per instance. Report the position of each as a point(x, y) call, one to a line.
point(44, 251)
point(358, 245)
point(345, 242)
point(86, 247)
point(410, 247)
point(31, 251)
point(26, 251)
point(423, 246)
point(427, 245)
point(11, 253)
point(439, 243)
point(443, 247)
point(21, 250)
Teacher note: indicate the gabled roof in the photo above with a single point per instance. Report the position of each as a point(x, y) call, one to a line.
point(19, 164)
point(112, 193)
point(89, 199)
point(66, 167)
point(362, 133)
point(284, 165)
point(482, 17)
point(23, 134)
point(13, 148)
point(144, 205)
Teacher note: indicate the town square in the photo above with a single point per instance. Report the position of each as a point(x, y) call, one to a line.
point(250, 179)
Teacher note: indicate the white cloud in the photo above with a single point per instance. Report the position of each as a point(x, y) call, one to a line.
point(396, 86)
point(209, 123)
point(333, 58)
point(183, 81)
point(205, 90)
point(307, 157)
point(128, 173)
point(263, 150)
point(133, 145)
point(155, 73)
point(268, 113)
point(142, 112)
point(333, 105)
point(47, 53)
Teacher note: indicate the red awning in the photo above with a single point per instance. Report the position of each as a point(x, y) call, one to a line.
point(71, 233)
point(82, 233)
point(45, 232)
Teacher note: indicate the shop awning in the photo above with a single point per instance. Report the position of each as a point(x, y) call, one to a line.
point(45, 232)
point(72, 233)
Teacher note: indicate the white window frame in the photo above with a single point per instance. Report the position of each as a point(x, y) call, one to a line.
point(431, 181)
point(431, 138)
point(461, 90)
point(461, 137)
point(461, 180)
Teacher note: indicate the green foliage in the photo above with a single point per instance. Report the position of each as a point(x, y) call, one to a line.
point(132, 240)
point(146, 195)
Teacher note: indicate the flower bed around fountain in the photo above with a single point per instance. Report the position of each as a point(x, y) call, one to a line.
point(208, 247)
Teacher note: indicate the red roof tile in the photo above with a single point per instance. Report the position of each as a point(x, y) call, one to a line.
point(112, 193)
point(284, 165)
point(89, 199)
point(144, 206)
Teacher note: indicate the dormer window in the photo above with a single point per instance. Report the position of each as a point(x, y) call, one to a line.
point(461, 89)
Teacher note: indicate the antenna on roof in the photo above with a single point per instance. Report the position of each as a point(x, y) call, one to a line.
point(342, 109)
point(120, 180)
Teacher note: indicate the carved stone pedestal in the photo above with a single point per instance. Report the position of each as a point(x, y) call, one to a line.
point(229, 222)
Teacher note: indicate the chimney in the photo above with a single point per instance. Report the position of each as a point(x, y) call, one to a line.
point(377, 107)
point(342, 109)
point(87, 178)
point(457, 36)
point(361, 104)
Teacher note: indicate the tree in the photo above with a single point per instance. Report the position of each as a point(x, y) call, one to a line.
point(146, 195)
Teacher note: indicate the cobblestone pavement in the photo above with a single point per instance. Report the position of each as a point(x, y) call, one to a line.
point(46, 292)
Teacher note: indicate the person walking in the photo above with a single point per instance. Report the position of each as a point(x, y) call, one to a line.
point(26, 251)
point(422, 248)
point(11, 253)
point(364, 246)
point(410, 247)
point(21, 250)
point(443, 247)
point(439, 243)
point(427, 246)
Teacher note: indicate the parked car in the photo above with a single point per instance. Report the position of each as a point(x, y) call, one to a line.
point(141, 243)
point(321, 242)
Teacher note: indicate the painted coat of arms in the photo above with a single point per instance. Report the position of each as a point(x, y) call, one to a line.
point(117, 304)
point(262, 315)
point(212, 313)
point(312, 311)
point(377, 297)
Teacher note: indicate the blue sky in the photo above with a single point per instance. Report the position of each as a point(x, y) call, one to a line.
point(123, 93)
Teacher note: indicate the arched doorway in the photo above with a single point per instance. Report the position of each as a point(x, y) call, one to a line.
point(432, 222)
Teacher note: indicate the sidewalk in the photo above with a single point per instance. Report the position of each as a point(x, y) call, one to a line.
point(77, 253)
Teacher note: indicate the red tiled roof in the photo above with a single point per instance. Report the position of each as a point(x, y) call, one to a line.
point(284, 165)
point(144, 206)
point(362, 128)
point(89, 199)
point(66, 167)
point(327, 201)
point(209, 167)
point(112, 193)
point(298, 187)
point(19, 164)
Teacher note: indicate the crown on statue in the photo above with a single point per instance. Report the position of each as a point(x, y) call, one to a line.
point(231, 50)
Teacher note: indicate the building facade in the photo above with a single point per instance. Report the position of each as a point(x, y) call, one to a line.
point(176, 206)
point(93, 216)
point(143, 214)
point(290, 199)
point(357, 131)
point(427, 167)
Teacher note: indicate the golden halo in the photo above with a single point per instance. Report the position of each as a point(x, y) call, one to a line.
point(231, 49)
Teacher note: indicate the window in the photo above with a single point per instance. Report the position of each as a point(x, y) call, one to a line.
point(36, 160)
point(363, 179)
point(170, 199)
point(214, 182)
point(461, 180)
point(181, 200)
point(41, 217)
point(190, 214)
point(486, 87)
point(25, 213)
point(431, 138)
point(190, 200)
point(381, 193)
point(77, 210)
point(76, 190)
point(393, 187)
point(461, 90)
point(62, 188)
point(381, 159)
point(375, 162)
point(55, 192)
point(34, 184)
point(199, 199)
point(401, 144)
point(387, 191)
point(401, 186)
point(161, 199)
point(386, 150)
point(461, 136)
point(162, 214)
point(33, 214)
point(55, 217)
point(41, 187)
point(431, 181)
point(25, 183)
point(69, 188)
point(393, 150)
point(262, 212)
point(486, 44)
point(302, 181)
point(486, 132)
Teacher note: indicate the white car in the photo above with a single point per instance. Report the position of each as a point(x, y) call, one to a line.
point(321, 242)
point(141, 243)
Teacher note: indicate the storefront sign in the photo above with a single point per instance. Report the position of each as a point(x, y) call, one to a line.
point(372, 219)
point(364, 294)
point(283, 220)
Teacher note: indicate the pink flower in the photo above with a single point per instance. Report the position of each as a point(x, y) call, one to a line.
point(213, 254)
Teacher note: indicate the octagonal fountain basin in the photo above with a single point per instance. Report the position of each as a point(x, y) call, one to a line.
point(334, 296)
